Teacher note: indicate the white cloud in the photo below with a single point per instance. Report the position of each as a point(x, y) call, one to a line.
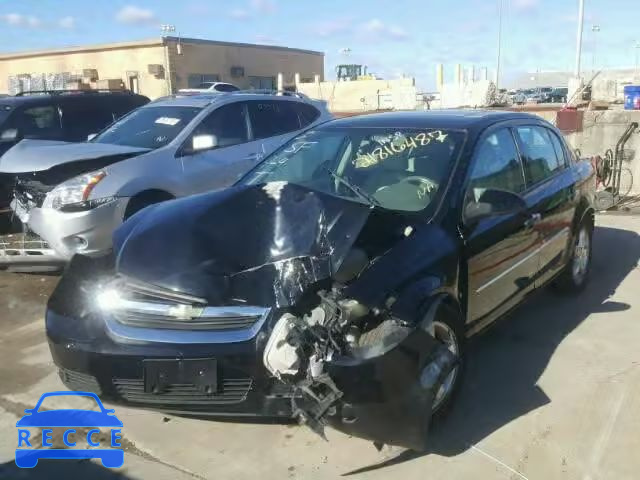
point(18, 20)
point(379, 28)
point(239, 14)
point(263, 6)
point(525, 4)
point(132, 14)
point(67, 22)
point(333, 27)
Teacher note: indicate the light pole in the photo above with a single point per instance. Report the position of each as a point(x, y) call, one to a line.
point(166, 29)
point(499, 44)
point(595, 29)
point(579, 38)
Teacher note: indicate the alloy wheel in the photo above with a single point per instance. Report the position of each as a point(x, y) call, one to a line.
point(581, 256)
point(445, 334)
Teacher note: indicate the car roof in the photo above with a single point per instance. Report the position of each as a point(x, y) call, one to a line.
point(204, 99)
point(452, 119)
point(35, 99)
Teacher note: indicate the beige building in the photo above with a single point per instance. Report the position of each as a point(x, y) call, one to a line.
point(158, 66)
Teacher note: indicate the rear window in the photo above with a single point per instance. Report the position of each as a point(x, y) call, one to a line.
point(270, 118)
point(307, 113)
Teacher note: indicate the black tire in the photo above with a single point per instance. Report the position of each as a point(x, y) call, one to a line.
point(570, 281)
point(452, 318)
point(445, 315)
point(143, 200)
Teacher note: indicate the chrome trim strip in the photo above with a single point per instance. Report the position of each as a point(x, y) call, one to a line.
point(126, 283)
point(127, 334)
point(520, 262)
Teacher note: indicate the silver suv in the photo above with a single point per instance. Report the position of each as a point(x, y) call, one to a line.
point(73, 196)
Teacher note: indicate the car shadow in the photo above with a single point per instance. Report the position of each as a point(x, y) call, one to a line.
point(62, 470)
point(506, 362)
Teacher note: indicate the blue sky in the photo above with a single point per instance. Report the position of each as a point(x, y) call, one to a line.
point(391, 37)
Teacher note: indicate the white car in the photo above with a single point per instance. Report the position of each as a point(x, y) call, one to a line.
point(73, 195)
point(211, 87)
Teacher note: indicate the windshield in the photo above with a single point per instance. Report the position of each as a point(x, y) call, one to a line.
point(395, 168)
point(148, 127)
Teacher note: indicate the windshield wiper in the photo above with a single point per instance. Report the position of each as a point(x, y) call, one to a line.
point(354, 188)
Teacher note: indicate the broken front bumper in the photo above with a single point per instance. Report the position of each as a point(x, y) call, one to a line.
point(67, 233)
point(27, 249)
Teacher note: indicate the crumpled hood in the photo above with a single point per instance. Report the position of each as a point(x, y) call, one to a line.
point(40, 155)
point(259, 244)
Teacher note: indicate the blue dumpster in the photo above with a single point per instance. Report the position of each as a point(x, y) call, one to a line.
point(632, 97)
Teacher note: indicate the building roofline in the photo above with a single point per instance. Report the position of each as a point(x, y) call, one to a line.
point(151, 42)
point(201, 41)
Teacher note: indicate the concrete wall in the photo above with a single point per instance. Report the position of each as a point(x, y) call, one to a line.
point(364, 95)
point(609, 86)
point(110, 63)
point(466, 94)
point(601, 131)
point(263, 62)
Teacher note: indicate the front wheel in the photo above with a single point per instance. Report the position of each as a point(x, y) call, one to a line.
point(576, 273)
point(448, 329)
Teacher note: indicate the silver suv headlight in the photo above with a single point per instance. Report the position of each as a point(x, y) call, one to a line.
point(73, 195)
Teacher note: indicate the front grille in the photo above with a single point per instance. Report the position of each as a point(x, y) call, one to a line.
point(147, 306)
point(79, 381)
point(142, 320)
point(232, 391)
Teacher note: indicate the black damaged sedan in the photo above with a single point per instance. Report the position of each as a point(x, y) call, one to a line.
point(337, 282)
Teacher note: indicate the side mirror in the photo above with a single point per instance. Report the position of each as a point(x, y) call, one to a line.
point(203, 142)
point(492, 202)
point(91, 136)
point(9, 135)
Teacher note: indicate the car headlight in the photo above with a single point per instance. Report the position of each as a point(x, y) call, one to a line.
point(73, 195)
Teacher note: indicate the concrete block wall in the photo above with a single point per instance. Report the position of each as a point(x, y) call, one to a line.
point(470, 94)
point(364, 95)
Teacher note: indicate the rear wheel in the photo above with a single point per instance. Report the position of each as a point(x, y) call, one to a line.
point(576, 273)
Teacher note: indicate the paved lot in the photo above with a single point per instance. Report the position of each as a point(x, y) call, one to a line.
point(552, 393)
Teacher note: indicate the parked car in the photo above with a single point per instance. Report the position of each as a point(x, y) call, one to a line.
point(559, 95)
point(539, 95)
point(74, 195)
point(68, 115)
point(211, 87)
point(338, 280)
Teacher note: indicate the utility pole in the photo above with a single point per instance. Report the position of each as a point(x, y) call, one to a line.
point(579, 39)
point(499, 44)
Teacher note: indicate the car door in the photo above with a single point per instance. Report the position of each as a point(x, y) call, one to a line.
point(234, 154)
point(501, 251)
point(551, 192)
point(273, 122)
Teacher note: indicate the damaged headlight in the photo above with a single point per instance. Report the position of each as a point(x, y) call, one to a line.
point(73, 195)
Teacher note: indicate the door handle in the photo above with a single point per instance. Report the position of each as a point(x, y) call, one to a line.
point(532, 220)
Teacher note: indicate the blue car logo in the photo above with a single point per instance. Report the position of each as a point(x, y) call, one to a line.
point(30, 450)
